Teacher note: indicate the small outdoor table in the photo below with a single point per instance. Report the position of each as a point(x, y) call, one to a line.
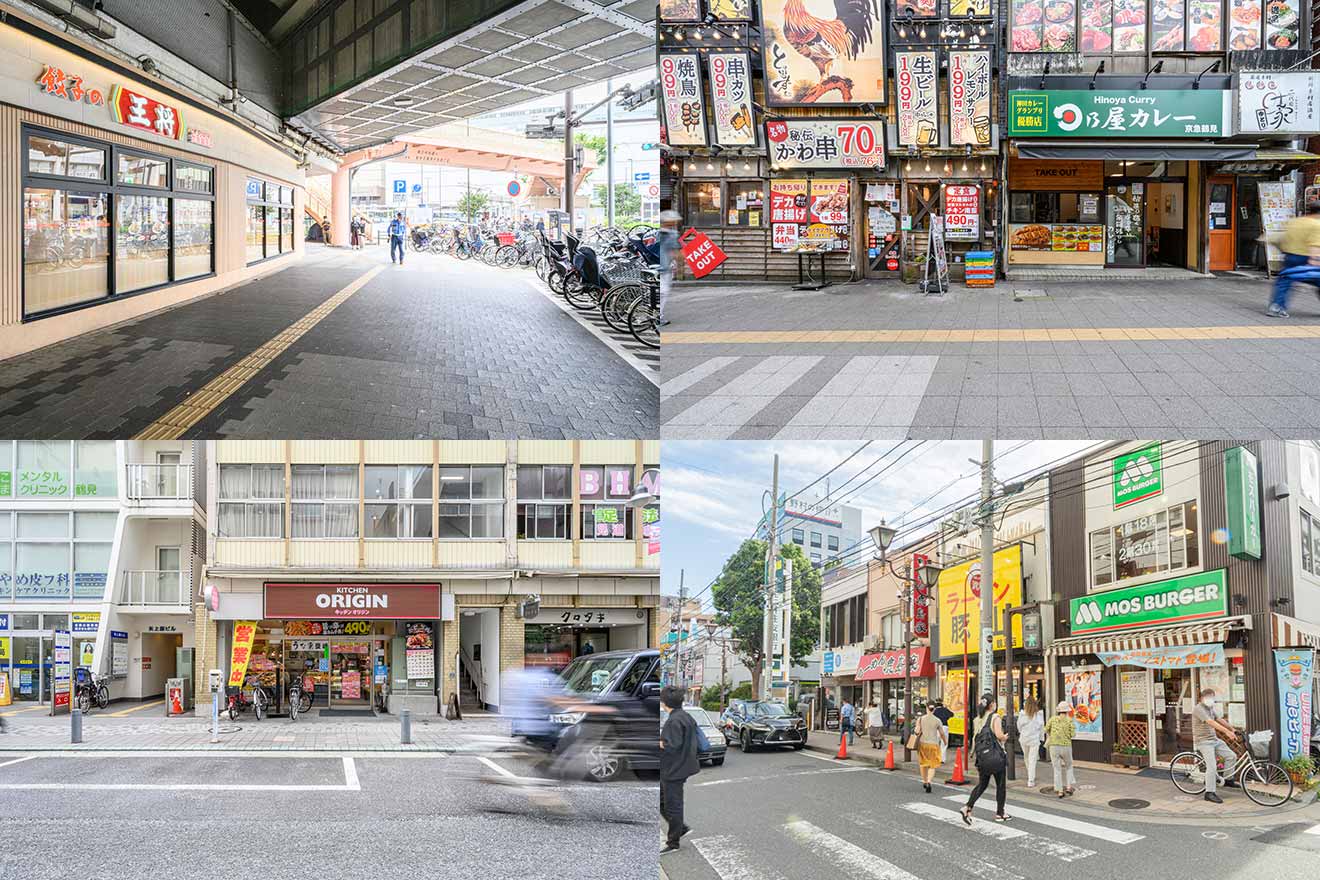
point(805, 279)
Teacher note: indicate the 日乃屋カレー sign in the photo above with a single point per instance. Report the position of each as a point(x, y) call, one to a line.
point(1191, 597)
point(362, 601)
point(1138, 475)
point(1181, 113)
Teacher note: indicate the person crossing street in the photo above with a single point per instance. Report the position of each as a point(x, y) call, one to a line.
point(678, 761)
point(397, 230)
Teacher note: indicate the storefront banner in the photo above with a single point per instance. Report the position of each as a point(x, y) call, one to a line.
point(146, 114)
point(920, 598)
point(825, 143)
point(1181, 113)
point(327, 628)
point(917, 79)
point(85, 621)
point(731, 99)
point(62, 657)
point(889, 664)
point(360, 601)
point(962, 212)
point(685, 109)
point(1192, 597)
point(1081, 688)
point(969, 98)
point(802, 66)
point(702, 256)
point(240, 654)
point(1295, 668)
point(1138, 475)
point(841, 661)
point(680, 10)
point(1181, 657)
point(1242, 491)
point(588, 616)
point(1275, 102)
point(1134, 693)
point(959, 596)
point(953, 699)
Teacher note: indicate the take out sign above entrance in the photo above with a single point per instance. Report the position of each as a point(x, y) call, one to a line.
point(352, 601)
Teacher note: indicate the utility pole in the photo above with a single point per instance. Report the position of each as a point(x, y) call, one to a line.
point(678, 645)
point(609, 156)
point(724, 658)
point(568, 158)
point(772, 554)
point(986, 673)
point(908, 574)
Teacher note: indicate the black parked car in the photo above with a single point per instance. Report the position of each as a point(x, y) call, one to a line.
point(757, 723)
point(726, 720)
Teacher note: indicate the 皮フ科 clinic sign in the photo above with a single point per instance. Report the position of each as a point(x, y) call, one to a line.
point(1177, 600)
point(363, 601)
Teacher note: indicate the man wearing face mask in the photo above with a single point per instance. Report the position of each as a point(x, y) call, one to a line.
point(1206, 727)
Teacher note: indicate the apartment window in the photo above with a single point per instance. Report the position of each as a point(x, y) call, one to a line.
point(250, 503)
point(605, 491)
point(799, 537)
point(398, 501)
point(71, 257)
point(1159, 541)
point(1310, 543)
point(815, 539)
point(471, 502)
point(815, 559)
point(544, 504)
point(325, 501)
point(857, 618)
point(55, 556)
point(833, 542)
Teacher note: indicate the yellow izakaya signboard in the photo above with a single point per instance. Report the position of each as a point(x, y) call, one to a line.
point(960, 602)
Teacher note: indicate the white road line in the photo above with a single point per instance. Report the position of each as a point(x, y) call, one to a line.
point(1030, 842)
point(17, 761)
point(686, 380)
point(729, 408)
point(978, 867)
point(849, 857)
point(1313, 830)
point(729, 859)
point(503, 771)
point(647, 372)
point(351, 782)
point(1053, 820)
point(819, 772)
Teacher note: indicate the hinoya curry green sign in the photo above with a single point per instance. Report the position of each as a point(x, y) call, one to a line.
point(1115, 113)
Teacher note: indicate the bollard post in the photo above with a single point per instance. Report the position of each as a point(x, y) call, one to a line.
point(75, 725)
point(405, 726)
point(215, 716)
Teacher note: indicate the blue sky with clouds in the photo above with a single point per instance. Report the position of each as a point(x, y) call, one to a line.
point(713, 490)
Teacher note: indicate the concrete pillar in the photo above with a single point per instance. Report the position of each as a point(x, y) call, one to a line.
point(341, 206)
point(448, 668)
point(513, 644)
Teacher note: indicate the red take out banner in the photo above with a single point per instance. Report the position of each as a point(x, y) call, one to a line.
point(702, 255)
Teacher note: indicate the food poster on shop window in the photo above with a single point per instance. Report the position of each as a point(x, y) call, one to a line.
point(1097, 25)
point(1244, 25)
point(680, 10)
point(685, 110)
point(420, 650)
point(788, 212)
point(1044, 26)
point(963, 8)
point(918, 8)
point(828, 214)
point(969, 98)
point(731, 99)
point(916, 76)
point(1081, 690)
point(820, 54)
point(962, 212)
point(730, 10)
point(1282, 24)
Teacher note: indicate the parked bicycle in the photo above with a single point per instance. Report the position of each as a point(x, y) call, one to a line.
point(644, 315)
point(254, 697)
point(90, 690)
point(1265, 782)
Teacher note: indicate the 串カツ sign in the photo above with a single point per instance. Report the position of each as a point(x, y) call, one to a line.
point(360, 601)
point(1177, 600)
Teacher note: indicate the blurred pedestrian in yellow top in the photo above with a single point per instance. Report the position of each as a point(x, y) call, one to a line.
point(1300, 245)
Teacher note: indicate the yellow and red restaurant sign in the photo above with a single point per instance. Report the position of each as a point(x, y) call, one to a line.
point(960, 602)
point(138, 111)
point(65, 84)
point(245, 631)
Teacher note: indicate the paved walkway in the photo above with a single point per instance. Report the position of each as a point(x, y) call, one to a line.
point(1030, 360)
point(344, 345)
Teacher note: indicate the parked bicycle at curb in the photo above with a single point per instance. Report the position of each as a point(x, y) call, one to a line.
point(254, 697)
point(1265, 782)
point(90, 690)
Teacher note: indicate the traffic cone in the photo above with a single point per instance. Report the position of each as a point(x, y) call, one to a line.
point(889, 757)
point(843, 747)
point(958, 778)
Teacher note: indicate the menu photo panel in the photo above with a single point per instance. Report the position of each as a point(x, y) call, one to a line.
point(916, 76)
point(969, 98)
point(680, 11)
point(685, 108)
point(840, 64)
point(731, 99)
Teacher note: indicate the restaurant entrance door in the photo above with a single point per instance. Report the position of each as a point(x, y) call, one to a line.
point(1125, 224)
point(1174, 699)
point(350, 673)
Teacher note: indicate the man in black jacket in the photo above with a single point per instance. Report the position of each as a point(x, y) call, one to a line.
point(678, 761)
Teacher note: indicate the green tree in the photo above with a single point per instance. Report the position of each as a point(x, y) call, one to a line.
point(472, 203)
point(594, 142)
point(739, 596)
point(627, 203)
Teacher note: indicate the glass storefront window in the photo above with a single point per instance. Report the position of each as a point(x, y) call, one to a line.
point(1161, 540)
point(95, 469)
point(272, 231)
point(42, 469)
point(256, 233)
point(192, 178)
point(143, 170)
point(142, 243)
point(286, 230)
point(65, 249)
point(746, 204)
point(47, 155)
point(703, 204)
point(194, 238)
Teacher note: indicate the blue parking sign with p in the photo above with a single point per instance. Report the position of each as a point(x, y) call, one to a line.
point(401, 186)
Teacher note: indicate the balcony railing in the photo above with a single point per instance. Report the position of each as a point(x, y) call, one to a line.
point(154, 588)
point(171, 482)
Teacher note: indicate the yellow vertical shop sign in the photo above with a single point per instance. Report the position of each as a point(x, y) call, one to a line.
point(960, 602)
point(953, 699)
point(4, 650)
point(245, 631)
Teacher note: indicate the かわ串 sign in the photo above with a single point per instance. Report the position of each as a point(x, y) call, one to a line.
point(825, 143)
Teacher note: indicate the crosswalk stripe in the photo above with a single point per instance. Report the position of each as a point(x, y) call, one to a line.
point(732, 406)
point(1312, 830)
point(1031, 842)
point(1076, 826)
point(977, 867)
point(847, 856)
point(686, 380)
point(729, 859)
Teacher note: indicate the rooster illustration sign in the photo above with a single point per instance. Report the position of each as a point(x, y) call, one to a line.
point(824, 52)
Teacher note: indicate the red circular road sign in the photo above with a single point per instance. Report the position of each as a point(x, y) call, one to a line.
point(514, 187)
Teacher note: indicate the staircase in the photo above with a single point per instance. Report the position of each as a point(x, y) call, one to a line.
point(469, 697)
point(317, 204)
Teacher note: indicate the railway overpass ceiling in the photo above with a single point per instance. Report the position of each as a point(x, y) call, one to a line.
point(362, 72)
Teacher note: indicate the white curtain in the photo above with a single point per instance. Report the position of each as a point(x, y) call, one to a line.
point(265, 520)
point(341, 520)
point(307, 518)
point(231, 523)
point(341, 481)
point(235, 481)
point(267, 481)
point(308, 481)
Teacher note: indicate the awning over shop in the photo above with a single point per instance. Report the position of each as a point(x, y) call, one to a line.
point(1272, 159)
point(1148, 152)
point(1208, 632)
point(1289, 632)
point(889, 664)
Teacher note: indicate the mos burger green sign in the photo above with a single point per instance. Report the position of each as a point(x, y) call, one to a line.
point(1114, 113)
point(1178, 600)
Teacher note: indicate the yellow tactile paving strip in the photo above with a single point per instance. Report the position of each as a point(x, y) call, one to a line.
point(177, 421)
point(1064, 334)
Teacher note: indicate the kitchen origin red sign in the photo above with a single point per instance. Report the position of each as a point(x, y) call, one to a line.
point(889, 664)
point(147, 114)
point(360, 601)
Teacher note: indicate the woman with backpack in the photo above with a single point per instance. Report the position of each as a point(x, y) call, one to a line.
point(991, 759)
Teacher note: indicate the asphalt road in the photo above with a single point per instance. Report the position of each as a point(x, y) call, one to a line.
point(786, 815)
point(317, 816)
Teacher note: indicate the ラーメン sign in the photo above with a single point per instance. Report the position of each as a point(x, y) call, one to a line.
point(1138, 475)
point(959, 595)
point(1177, 600)
point(358, 601)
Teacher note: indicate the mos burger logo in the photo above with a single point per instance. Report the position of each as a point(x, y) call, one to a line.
point(1069, 116)
point(352, 598)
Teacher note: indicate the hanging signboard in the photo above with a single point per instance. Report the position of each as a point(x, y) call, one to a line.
point(805, 66)
point(685, 110)
point(920, 598)
point(1138, 475)
point(702, 256)
point(730, 10)
point(916, 77)
point(61, 689)
point(959, 597)
point(962, 212)
point(825, 143)
point(731, 99)
point(1295, 668)
point(680, 10)
point(969, 98)
point(1242, 493)
point(1180, 113)
point(1277, 102)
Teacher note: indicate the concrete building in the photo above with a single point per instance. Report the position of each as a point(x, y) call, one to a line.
point(822, 528)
